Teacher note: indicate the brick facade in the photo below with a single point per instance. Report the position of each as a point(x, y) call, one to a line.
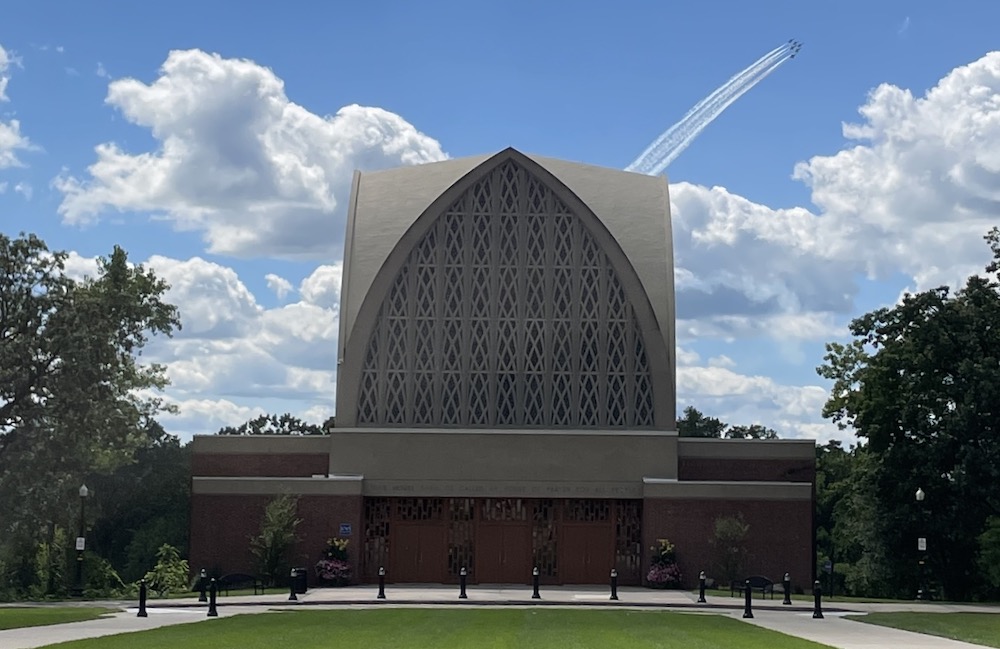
point(780, 538)
point(222, 525)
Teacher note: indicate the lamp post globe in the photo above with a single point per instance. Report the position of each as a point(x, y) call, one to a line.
point(920, 495)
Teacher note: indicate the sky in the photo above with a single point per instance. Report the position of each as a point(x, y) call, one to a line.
point(215, 142)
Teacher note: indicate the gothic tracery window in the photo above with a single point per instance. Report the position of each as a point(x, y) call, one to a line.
point(506, 313)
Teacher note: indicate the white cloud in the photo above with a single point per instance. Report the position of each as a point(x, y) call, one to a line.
point(24, 189)
point(281, 286)
point(101, 71)
point(11, 139)
point(915, 193)
point(258, 174)
point(322, 287)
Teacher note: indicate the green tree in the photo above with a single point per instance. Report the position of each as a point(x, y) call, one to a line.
point(284, 424)
point(276, 537)
point(132, 524)
point(74, 397)
point(989, 555)
point(920, 383)
point(753, 431)
point(730, 547)
point(694, 423)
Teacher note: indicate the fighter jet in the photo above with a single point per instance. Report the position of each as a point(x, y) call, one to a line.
point(796, 46)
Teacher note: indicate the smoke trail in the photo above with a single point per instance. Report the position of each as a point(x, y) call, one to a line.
point(658, 166)
point(654, 151)
point(674, 140)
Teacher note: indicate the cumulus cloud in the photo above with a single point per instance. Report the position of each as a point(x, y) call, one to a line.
point(257, 174)
point(322, 287)
point(915, 192)
point(281, 286)
point(11, 139)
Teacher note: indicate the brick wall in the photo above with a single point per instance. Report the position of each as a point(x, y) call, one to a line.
point(288, 465)
point(221, 526)
point(780, 538)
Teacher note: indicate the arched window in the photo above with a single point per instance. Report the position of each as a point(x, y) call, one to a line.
point(506, 313)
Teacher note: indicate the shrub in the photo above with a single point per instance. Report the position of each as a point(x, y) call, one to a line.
point(170, 573)
point(276, 537)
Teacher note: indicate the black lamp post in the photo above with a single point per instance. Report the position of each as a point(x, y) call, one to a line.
point(921, 546)
point(81, 543)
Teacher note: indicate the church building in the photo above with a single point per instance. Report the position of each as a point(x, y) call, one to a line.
point(506, 397)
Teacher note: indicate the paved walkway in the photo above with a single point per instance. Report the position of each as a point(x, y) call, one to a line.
point(796, 620)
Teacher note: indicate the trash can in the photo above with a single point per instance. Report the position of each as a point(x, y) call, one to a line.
point(299, 577)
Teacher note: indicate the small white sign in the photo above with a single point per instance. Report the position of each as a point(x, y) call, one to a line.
point(922, 544)
point(80, 543)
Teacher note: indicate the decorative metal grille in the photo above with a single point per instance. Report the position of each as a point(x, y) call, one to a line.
point(544, 538)
point(376, 550)
point(461, 534)
point(587, 511)
point(507, 313)
point(628, 539)
point(504, 509)
point(419, 509)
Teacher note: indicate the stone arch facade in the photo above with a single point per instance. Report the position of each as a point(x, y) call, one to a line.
point(507, 304)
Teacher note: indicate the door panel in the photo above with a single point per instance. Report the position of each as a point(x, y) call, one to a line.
point(586, 554)
point(418, 553)
point(503, 554)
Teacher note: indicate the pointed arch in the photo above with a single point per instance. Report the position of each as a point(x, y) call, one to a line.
point(507, 303)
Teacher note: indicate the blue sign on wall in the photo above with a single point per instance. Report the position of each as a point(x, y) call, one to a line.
point(345, 529)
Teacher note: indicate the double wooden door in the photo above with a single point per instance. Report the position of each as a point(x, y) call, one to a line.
point(586, 554)
point(418, 554)
point(503, 553)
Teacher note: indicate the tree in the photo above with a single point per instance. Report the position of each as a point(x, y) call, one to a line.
point(276, 537)
point(695, 424)
point(285, 424)
point(73, 396)
point(132, 524)
point(753, 431)
point(731, 552)
point(920, 383)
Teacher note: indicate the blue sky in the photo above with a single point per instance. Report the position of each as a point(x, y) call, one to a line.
point(902, 203)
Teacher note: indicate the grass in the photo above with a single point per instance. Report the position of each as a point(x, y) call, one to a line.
point(460, 629)
point(977, 628)
point(16, 617)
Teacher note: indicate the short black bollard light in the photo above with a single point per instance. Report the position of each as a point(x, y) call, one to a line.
point(461, 581)
point(213, 590)
point(381, 583)
point(292, 597)
point(701, 587)
point(787, 584)
point(202, 585)
point(747, 606)
point(818, 598)
point(534, 581)
point(142, 598)
point(614, 584)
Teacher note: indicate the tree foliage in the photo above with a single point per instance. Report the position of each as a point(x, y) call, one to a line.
point(284, 424)
point(919, 385)
point(74, 398)
point(694, 423)
point(729, 543)
point(276, 537)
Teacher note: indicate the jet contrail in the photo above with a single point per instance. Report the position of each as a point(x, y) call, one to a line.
point(674, 140)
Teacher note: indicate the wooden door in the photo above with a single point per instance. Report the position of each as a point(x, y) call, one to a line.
point(418, 554)
point(586, 554)
point(503, 554)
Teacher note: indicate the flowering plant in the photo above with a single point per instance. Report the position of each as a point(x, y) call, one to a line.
point(334, 566)
point(333, 570)
point(664, 571)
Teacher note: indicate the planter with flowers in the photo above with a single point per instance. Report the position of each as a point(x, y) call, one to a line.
point(334, 569)
point(663, 570)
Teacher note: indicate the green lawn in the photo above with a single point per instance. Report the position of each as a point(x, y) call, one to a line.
point(977, 628)
point(470, 628)
point(16, 617)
